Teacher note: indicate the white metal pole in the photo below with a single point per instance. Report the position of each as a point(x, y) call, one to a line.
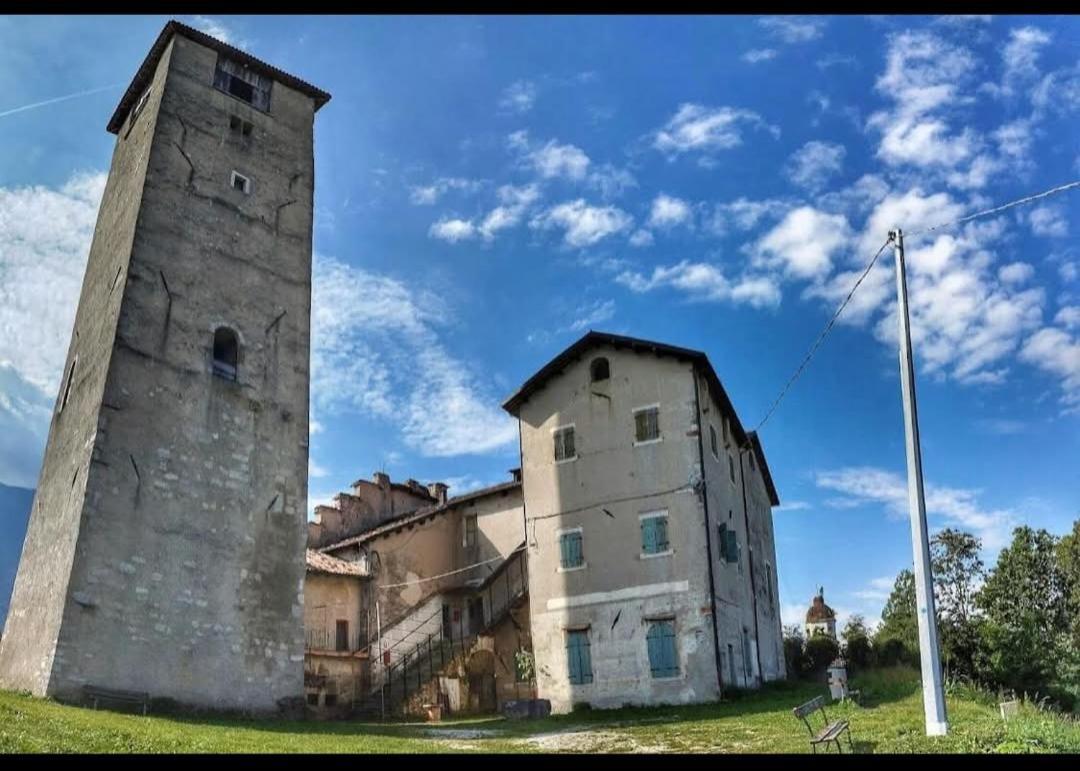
point(382, 671)
point(933, 694)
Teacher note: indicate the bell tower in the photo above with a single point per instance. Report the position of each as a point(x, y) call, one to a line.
point(165, 551)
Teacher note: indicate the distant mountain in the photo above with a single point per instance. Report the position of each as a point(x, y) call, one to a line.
point(15, 503)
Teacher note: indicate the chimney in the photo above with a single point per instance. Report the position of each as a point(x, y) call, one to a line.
point(382, 479)
point(415, 486)
point(437, 490)
point(516, 473)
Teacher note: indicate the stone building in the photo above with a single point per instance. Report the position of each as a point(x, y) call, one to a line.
point(165, 550)
point(652, 568)
point(820, 618)
point(443, 598)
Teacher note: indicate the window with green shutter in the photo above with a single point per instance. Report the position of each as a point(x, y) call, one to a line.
point(570, 551)
point(654, 538)
point(579, 661)
point(663, 661)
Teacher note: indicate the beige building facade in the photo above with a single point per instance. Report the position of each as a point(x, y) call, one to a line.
point(648, 528)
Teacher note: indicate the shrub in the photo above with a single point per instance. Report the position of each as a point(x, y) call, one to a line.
point(821, 650)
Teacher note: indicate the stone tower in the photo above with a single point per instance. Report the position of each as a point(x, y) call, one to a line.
point(165, 551)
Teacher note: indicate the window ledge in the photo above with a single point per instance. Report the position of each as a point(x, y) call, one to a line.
point(566, 460)
point(669, 677)
point(582, 566)
point(657, 440)
point(645, 556)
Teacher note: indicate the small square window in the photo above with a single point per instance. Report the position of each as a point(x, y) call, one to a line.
point(654, 536)
point(564, 443)
point(313, 699)
point(241, 183)
point(647, 424)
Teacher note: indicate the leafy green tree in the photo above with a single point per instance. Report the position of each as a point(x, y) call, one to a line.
point(821, 649)
point(1068, 559)
point(794, 654)
point(856, 642)
point(958, 571)
point(897, 637)
point(1025, 606)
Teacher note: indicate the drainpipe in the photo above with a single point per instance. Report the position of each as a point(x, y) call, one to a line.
point(708, 532)
point(750, 561)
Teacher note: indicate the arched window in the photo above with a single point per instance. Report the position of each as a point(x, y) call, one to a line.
point(226, 352)
point(600, 369)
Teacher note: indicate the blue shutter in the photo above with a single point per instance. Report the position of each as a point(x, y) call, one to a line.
point(661, 534)
point(572, 661)
point(564, 550)
point(648, 536)
point(578, 657)
point(653, 641)
point(661, 644)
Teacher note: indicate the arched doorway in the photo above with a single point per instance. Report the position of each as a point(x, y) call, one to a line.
point(481, 672)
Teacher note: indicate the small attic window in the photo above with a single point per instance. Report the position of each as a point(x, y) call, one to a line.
point(242, 82)
point(240, 182)
point(226, 353)
point(600, 369)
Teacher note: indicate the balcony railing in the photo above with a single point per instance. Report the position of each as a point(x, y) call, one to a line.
point(327, 640)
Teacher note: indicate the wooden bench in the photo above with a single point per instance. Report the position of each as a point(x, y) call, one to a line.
point(829, 732)
point(96, 695)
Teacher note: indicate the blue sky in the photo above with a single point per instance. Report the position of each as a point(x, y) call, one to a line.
point(487, 189)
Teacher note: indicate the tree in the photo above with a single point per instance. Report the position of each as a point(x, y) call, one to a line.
point(856, 642)
point(897, 637)
point(821, 650)
point(958, 570)
point(1025, 606)
point(1068, 560)
point(794, 656)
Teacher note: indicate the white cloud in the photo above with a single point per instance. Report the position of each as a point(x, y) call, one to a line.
point(877, 589)
point(1068, 317)
point(793, 506)
point(950, 506)
point(513, 203)
point(695, 127)
point(1048, 221)
point(804, 242)
point(1016, 272)
point(216, 28)
point(813, 164)
point(425, 195)
point(519, 97)
point(641, 238)
point(705, 282)
point(1058, 91)
point(587, 316)
point(452, 230)
point(375, 350)
point(835, 59)
point(756, 55)
point(793, 29)
point(611, 182)
point(1020, 59)
point(315, 471)
point(668, 211)
point(1057, 352)
point(45, 238)
point(743, 214)
point(552, 159)
point(583, 224)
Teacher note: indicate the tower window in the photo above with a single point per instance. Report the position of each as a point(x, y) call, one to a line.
point(240, 182)
point(600, 369)
point(240, 81)
point(226, 352)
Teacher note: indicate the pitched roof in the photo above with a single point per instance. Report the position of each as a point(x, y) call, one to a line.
point(593, 339)
point(146, 71)
point(324, 563)
point(819, 611)
point(415, 517)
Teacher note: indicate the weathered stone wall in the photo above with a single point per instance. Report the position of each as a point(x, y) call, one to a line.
point(188, 573)
point(332, 598)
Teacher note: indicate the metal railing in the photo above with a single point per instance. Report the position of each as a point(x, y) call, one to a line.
point(327, 640)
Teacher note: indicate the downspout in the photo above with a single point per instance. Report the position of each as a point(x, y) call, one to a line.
point(708, 533)
point(750, 551)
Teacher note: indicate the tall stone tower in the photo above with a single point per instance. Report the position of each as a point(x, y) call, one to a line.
point(165, 551)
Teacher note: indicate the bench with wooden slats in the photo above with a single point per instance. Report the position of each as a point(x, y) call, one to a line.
point(830, 732)
point(96, 695)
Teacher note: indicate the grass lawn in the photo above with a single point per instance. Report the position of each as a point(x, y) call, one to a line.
point(889, 720)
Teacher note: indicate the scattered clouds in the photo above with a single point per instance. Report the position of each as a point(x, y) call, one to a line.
point(756, 55)
point(376, 350)
point(835, 60)
point(951, 506)
point(519, 97)
point(743, 214)
point(589, 315)
point(1019, 61)
point(705, 282)
point(803, 243)
point(792, 506)
point(452, 230)
point(667, 212)
point(696, 128)
point(1048, 221)
point(552, 159)
point(641, 238)
point(1016, 273)
point(216, 28)
point(582, 223)
point(611, 182)
point(514, 201)
point(426, 195)
point(793, 29)
point(1057, 352)
point(813, 164)
point(877, 589)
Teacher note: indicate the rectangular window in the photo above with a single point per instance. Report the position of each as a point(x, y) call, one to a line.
point(470, 531)
point(647, 424)
point(768, 582)
point(727, 432)
point(661, 641)
point(712, 442)
point(313, 699)
point(578, 659)
point(570, 550)
point(238, 80)
point(654, 538)
point(731, 662)
point(240, 126)
point(747, 668)
point(564, 443)
point(731, 468)
point(729, 544)
point(342, 636)
point(240, 182)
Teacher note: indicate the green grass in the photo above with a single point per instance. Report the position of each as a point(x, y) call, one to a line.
point(890, 719)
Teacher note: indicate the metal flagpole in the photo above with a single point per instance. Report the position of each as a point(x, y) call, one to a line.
point(933, 694)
